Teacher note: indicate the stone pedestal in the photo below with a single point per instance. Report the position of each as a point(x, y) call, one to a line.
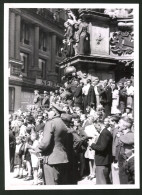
point(103, 67)
point(99, 62)
point(111, 42)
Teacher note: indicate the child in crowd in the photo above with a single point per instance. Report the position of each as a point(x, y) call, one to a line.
point(18, 158)
point(34, 156)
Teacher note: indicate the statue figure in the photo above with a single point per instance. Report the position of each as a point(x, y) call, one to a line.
point(64, 49)
point(76, 38)
point(69, 37)
point(71, 15)
point(84, 38)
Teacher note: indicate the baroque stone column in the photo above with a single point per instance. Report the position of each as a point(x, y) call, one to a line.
point(36, 46)
point(12, 35)
point(36, 73)
point(17, 37)
point(53, 52)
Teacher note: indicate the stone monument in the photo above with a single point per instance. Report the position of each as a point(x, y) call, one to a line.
point(99, 42)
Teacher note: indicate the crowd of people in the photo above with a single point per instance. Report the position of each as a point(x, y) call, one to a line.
point(83, 130)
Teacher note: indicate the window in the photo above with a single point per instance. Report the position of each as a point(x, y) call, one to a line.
point(25, 33)
point(25, 60)
point(11, 99)
point(42, 68)
point(43, 41)
point(58, 46)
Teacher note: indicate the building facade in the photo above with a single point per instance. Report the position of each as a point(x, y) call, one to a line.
point(35, 41)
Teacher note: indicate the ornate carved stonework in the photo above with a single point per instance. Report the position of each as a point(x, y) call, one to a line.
point(122, 43)
point(119, 13)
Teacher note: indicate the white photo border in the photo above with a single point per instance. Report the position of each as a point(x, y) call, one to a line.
point(6, 93)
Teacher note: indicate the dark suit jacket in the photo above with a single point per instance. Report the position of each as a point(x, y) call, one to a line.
point(52, 145)
point(106, 96)
point(91, 98)
point(78, 95)
point(103, 148)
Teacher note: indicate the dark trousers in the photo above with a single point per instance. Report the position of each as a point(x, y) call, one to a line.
point(56, 174)
point(82, 164)
point(122, 173)
point(107, 108)
point(12, 156)
point(103, 174)
point(85, 103)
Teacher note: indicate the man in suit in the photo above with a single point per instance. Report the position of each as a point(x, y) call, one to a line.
point(97, 89)
point(125, 143)
point(103, 156)
point(78, 96)
point(45, 101)
point(39, 123)
point(106, 98)
point(91, 95)
point(53, 148)
point(122, 97)
point(12, 146)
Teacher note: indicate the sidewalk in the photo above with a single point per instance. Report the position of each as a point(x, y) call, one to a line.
point(20, 182)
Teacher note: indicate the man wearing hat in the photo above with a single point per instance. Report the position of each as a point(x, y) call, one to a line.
point(53, 148)
point(130, 165)
point(37, 99)
point(128, 112)
point(126, 142)
point(45, 101)
point(77, 144)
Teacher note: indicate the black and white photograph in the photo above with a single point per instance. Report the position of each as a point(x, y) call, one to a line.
point(71, 96)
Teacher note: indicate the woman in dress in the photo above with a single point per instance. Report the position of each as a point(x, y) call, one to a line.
point(92, 133)
point(115, 99)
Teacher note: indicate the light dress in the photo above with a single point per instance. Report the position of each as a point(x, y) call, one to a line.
point(34, 156)
point(91, 131)
point(115, 102)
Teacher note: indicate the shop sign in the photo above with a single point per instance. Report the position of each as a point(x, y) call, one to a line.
point(46, 83)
